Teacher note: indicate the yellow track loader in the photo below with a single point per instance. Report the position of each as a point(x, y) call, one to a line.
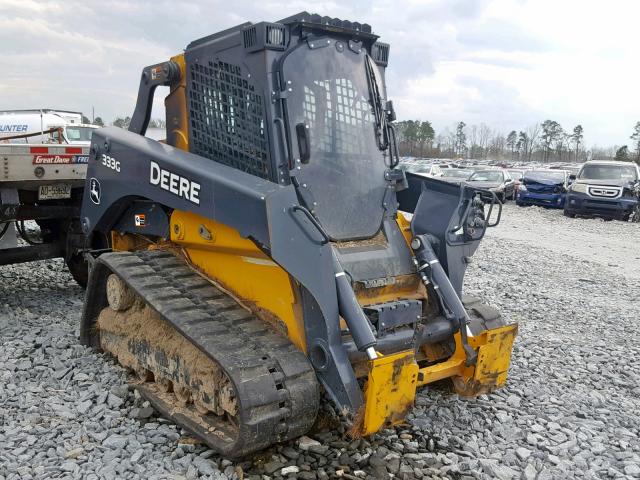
point(261, 260)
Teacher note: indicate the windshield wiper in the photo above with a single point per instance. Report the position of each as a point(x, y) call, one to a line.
point(384, 129)
point(376, 103)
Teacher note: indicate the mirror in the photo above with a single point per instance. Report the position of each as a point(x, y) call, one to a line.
point(302, 133)
point(572, 177)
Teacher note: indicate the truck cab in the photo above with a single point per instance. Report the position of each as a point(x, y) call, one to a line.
point(603, 189)
point(44, 126)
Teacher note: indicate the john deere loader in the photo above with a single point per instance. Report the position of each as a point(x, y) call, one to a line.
point(261, 260)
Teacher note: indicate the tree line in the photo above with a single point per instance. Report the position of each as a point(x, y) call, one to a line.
point(123, 122)
point(541, 142)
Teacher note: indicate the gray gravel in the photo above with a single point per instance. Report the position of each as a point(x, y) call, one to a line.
point(571, 408)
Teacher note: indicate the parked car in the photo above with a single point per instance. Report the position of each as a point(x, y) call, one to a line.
point(546, 188)
point(496, 181)
point(604, 189)
point(456, 175)
point(426, 169)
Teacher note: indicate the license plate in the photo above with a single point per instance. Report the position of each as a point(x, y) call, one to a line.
point(52, 192)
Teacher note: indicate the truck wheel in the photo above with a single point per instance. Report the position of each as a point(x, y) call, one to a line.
point(78, 268)
point(74, 255)
point(567, 214)
point(51, 230)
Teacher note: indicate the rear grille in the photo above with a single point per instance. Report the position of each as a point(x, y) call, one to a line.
point(227, 118)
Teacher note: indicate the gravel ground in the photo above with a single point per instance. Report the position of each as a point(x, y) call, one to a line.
point(571, 407)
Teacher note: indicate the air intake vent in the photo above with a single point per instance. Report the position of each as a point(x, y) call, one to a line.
point(250, 37)
point(381, 53)
point(272, 36)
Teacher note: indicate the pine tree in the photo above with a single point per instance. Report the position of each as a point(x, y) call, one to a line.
point(577, 138)
point(622, 154)
point(512, 140)
point(461, 139)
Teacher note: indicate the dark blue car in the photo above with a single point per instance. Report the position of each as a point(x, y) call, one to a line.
point(546, 188)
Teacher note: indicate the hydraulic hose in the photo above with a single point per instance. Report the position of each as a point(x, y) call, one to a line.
point(351, 311)
point(431, 271)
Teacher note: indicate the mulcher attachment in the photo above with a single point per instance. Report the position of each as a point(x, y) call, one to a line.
point(202, 359)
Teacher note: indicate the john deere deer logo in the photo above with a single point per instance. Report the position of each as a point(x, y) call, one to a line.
point(94, 190)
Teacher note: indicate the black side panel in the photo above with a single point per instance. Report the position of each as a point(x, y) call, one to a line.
point(209, 184)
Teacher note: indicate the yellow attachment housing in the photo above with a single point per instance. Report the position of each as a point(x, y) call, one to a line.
point(393, 379)
point(390, 391)
point(490, 372)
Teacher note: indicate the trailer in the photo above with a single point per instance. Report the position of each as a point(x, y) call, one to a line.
point(42, 183)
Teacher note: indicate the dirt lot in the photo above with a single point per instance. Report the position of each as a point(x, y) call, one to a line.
point(613, 245)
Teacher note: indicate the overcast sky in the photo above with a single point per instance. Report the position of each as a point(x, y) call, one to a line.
point(508, 63)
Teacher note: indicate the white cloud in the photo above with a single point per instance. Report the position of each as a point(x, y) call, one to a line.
point(507, 63)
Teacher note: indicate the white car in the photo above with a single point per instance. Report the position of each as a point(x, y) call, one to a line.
point(426, 170)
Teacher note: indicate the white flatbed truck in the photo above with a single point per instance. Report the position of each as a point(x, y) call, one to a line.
point(43, 183)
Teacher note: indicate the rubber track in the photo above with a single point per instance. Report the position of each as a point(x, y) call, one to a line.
point(275, 384)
